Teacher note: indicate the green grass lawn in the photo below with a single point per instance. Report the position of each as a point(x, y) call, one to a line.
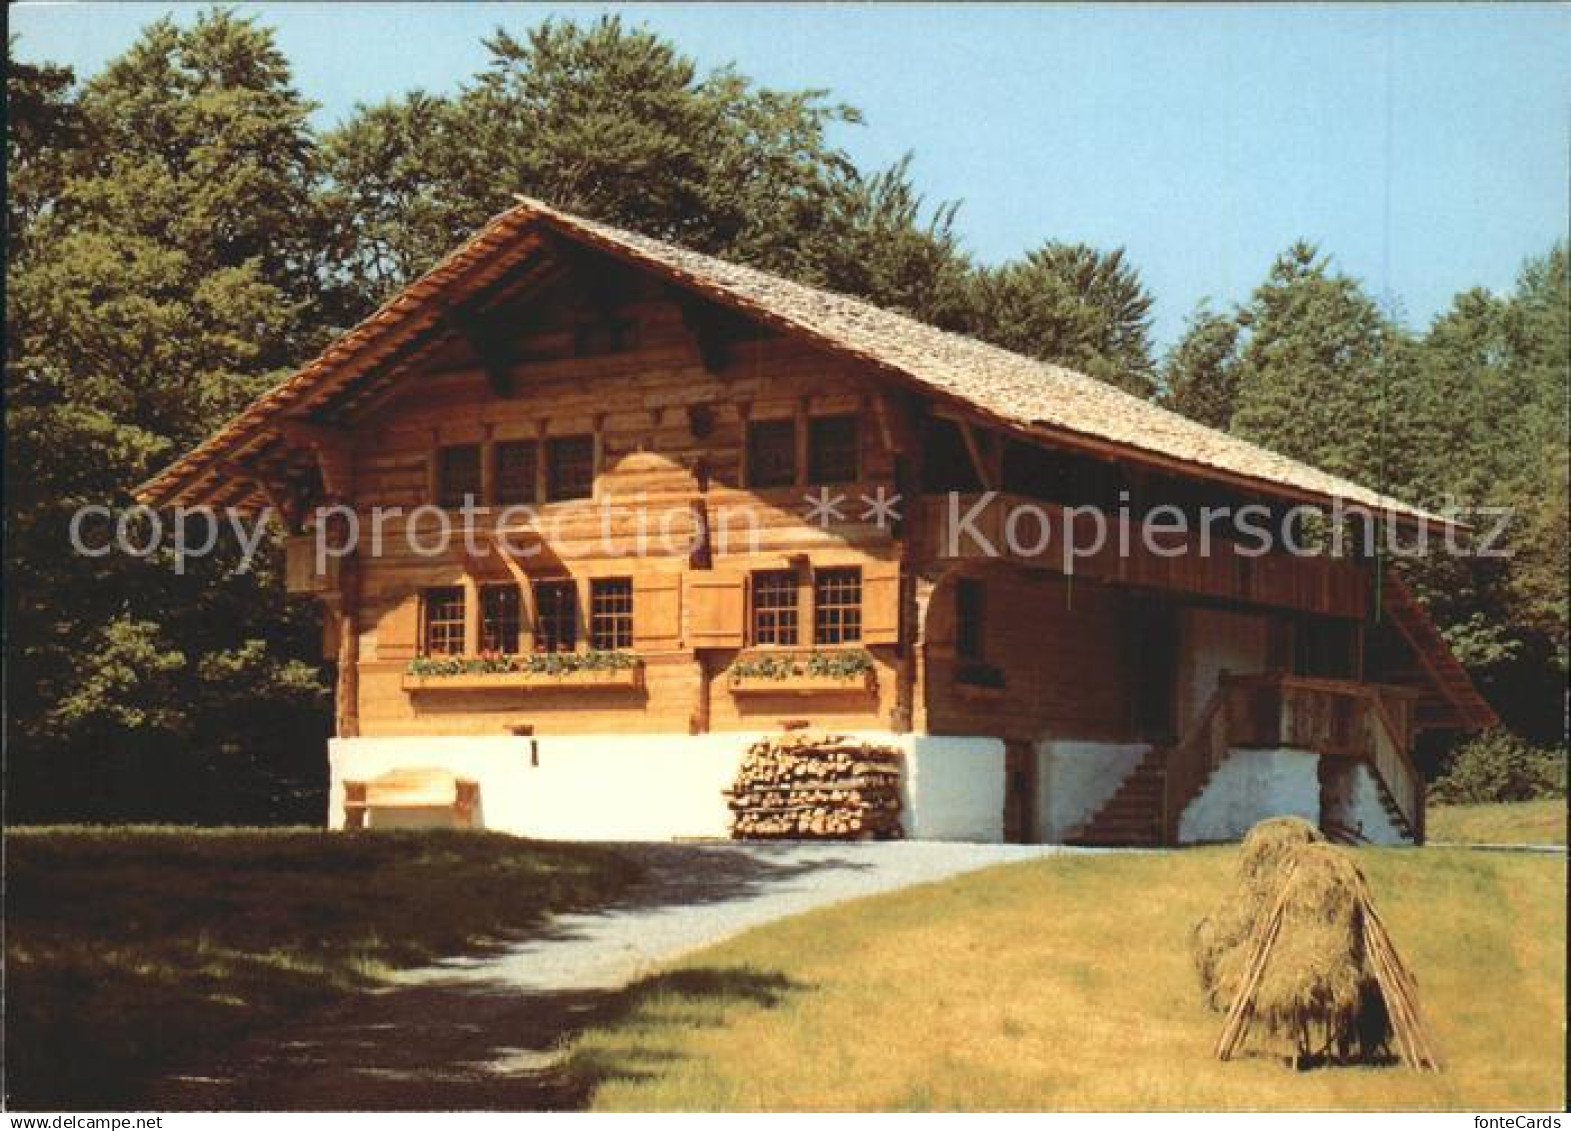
point(1518, 822)
point(1066, 983)
point(132, 951)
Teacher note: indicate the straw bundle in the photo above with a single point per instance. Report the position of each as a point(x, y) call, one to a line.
point(1218, 941)
point(1318, 968)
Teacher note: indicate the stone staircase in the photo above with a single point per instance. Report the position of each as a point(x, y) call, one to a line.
point(1133, 815)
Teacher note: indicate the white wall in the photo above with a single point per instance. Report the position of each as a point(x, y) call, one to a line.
point(1248, 787)
point(954, 787)
point(602, 787)
point(1075, 779)
point(1213, 641)
point(1351, 797)
point(658, 787)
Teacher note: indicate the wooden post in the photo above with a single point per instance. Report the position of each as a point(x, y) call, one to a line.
point(346, 721)
point(542, 483)
point(488, 468)
point(799, 431)
point(899, 429)
point(471, 615)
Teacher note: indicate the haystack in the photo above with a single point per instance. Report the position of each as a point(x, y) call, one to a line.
point(1218, 941)
point(1315, 967)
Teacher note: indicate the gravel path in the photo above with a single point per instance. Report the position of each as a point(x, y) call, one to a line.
point(485, 1032)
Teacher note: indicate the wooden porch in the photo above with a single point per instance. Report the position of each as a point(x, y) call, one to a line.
point(1365, 722)
point(1336, 719)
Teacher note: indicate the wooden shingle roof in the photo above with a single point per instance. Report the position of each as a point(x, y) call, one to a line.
point(1037, 399)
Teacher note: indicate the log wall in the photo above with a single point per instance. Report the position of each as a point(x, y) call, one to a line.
point(669, 434)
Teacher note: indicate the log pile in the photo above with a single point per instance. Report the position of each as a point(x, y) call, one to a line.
point(825, 787)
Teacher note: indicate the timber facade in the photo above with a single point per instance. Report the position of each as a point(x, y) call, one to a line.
point(689, 504)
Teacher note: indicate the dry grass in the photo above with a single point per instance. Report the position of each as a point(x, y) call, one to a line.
point(1066, 984)
point(1516, 822)
point(131, 951)
point(1220, 941)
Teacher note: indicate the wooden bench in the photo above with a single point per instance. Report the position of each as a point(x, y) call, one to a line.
point(420, 787)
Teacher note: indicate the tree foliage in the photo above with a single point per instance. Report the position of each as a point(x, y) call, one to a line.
point(169, 277)
point(1074, 305)
point(1200, 375)
point(1470, 413)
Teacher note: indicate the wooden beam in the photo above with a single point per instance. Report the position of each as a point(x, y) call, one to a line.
point(490, 342)
point(896, 421)
point(984, 470)
point(280, 497)
point(526, 593)
point(334, 454)
point(346, 696)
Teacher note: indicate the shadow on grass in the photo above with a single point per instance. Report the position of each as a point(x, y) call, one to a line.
point(468, 1046)
point(249, 969)
point(131, 952)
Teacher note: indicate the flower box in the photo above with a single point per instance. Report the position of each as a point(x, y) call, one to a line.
point(578, 679)
point(858, 683)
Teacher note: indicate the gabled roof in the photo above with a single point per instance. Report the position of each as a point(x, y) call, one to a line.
point(1036, 399)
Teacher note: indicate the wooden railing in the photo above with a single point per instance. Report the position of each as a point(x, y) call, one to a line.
point(1193, 760)
point(1335, 718)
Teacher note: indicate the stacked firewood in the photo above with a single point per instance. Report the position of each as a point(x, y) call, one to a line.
point(825, 787)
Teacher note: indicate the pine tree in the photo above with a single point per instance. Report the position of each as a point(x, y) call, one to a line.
point(1200, 374)
point(1073, 305)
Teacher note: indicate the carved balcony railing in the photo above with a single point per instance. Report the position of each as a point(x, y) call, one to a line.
point(1335, 718)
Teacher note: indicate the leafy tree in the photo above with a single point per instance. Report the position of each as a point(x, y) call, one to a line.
point(1074, 305)
point(43, 126)
point(1319, 368)
point(167, 282)
point(606, 120)
point(875, 243)
point(1200, 374)
point(1500, 365)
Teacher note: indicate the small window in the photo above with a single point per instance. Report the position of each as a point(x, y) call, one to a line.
point(458, 474)
point(515, 464)
point(775, 607)
point(443, 627)
point(771, 453)
point(837, 606)
point(611, 613)
point(832, 449)
point(969, 619)
point(556, 616)
point(499, 618)
point(570, 468)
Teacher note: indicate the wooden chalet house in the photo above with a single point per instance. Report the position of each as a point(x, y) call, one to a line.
point(558, 676)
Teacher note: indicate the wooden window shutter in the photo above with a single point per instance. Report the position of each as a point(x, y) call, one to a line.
point(717, 608)
point(881, 603)
point(657, 612)
point(398, 632)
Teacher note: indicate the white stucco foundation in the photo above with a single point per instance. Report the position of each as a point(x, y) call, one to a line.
point(658, 787)
point(1248, 787)
point(1075, 779)
point(954, 787)
point(1351, 797)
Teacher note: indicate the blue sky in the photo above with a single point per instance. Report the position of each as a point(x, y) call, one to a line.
point(1425, 147)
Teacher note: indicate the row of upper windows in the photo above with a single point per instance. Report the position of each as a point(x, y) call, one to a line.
point(562, 468)
point(518, 475)
point(555, 626)
point(776, 613)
